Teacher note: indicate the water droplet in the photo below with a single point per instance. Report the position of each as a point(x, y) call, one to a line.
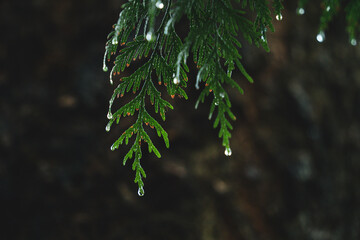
point(159, 5)
point(320, 37)
point(108, 127)
point(109, 115)
point(300, 11)
point(353, 42)
point(112, 148)
point(141, 191)
point(114, 41)
point(105, 68)
point(176, 80)
point(111, 76)
point(279, 17)
point(228, 152)
point(328, 8)
point(263, 38)
point(149, 36)
point(222, 94)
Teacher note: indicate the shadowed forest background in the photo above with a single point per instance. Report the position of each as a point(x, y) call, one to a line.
point(293, 174)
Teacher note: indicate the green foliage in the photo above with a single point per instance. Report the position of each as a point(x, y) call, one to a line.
point(145, 29)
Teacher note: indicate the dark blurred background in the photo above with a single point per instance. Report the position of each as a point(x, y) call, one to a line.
point(294, 172)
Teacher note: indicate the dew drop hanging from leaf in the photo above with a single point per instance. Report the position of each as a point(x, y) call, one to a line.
point(353, 42)
point(108, 127)
point(149, 36)
point(109, 115)
point(176, 80)
point(114, 41)
point(113, 147)
point(228, 152)
point(320, 37)
point(141, 191)
point(159, 5)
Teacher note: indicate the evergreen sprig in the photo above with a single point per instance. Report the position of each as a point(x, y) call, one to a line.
point(146, 29)
point(213, 42)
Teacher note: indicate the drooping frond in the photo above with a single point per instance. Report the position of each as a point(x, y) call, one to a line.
point(146, 30)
